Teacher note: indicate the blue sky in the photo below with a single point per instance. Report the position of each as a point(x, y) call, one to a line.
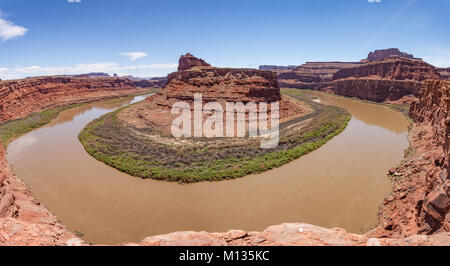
point(39, 37)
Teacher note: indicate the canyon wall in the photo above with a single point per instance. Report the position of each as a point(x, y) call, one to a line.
point(377, 90)
point(444, 72)
point(432, 112)
point(230, 84)
point(385, 53)
point(18, 98)
point(420, 201)
point(215, 85)
point(395, 68)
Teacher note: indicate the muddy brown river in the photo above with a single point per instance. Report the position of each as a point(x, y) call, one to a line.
point(341, 184)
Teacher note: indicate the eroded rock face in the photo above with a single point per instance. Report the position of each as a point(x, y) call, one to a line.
point(385, 53)
point(289, 234)
point(19, 98)
point(444, 72)
point(377, 90)
point(324, 70)
point(393, 79)
point(420, 202)
point(432, 110)
point(189, 61)
point(394, 68)
point(229, 84)
point(215, 85)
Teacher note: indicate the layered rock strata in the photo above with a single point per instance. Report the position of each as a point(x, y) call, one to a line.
point(444, 72)
point(394, 68)
point(393, 79)
point(420, 203)
point(19, 98)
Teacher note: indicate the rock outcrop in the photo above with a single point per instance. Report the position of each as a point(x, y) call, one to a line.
point(391, 79)
point(188, 61)
point(420, 202)
point(324, 70)
point(444, 72)
point(308, 75)
point(19, 98)
point(393, 68)
point(214, 84)
point(377, 90)
point(385, 53)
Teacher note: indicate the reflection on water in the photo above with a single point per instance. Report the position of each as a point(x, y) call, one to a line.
point(340, 184)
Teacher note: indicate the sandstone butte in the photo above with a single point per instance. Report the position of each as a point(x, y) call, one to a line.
point(417, 213)
point(214, 84)
point(382, 68)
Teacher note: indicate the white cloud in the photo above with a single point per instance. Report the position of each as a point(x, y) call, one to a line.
point(74, 1)
point(8, 30)
point(374, 1)
point(134, 55)
point(153, 70)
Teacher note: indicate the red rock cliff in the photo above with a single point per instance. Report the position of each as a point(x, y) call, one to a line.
point(19, 98)
point(420, 201)
point(385, 53)
point(432, 112)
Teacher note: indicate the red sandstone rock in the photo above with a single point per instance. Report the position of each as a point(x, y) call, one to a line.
point(385, 53)
point(444, 72)
point(373, 89)
point(214, 84)
point(189, 61)
point(19, 98)
point(420, 201)
point(394, 68)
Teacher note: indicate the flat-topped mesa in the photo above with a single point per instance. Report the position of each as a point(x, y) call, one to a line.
point(393, 67)
point(222, 84)
point(385, 53)
point(24, 96)
point(188, 61)
point(324, 70)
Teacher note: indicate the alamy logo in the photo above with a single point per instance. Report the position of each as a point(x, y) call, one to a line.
point(236, 114)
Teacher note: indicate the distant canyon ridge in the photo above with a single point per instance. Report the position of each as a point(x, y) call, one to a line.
point(387, 74)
